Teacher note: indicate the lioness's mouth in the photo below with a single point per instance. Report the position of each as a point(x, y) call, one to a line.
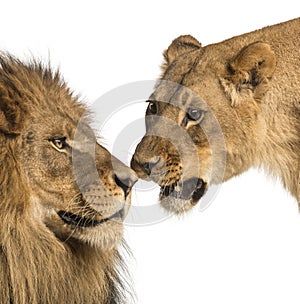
point(192, 189)
point(78, 221)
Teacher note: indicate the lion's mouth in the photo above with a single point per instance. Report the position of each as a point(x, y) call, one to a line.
point(79, 221)
point(192, 189)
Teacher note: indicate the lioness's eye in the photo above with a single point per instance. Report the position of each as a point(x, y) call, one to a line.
point(195, 114)
point(58, 143)
point(152, 108)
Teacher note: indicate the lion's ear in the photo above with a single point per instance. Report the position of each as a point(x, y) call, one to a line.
point(11, 114)
point(179, 46)
point(250, 71)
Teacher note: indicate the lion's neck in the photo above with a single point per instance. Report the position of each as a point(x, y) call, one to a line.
point(36, 268)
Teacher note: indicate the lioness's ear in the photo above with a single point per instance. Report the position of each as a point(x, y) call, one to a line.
point(250, 71)
point(11, 115)
point(179, 46)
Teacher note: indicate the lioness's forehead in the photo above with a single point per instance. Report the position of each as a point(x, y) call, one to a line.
point(177, 94)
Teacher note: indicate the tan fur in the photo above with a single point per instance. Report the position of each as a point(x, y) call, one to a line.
point(44, 257)
point(250, 84)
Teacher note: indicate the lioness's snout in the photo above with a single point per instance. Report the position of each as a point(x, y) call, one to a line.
point(149, 159)
point(144, 167)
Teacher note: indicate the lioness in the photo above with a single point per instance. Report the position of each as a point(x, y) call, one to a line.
point(221, 109)
point(62, 198)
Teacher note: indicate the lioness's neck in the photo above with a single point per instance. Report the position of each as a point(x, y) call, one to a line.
point(281, 146)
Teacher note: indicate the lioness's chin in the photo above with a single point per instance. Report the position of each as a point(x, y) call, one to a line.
point(182, 196)
point(176, 205)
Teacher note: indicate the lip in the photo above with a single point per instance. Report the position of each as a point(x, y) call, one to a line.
point(73, 219)
point(192, 189)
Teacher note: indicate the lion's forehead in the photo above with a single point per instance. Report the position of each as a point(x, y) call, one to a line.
point(62, 122)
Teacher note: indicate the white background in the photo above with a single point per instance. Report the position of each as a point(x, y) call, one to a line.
point(245, 248)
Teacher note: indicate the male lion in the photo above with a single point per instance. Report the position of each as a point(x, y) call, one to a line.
point(61, 212)
point(221, 109)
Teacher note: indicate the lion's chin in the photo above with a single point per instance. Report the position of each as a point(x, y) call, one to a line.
point(106, 236)
point(77, 221)
point(104, 233)
point(182, 196)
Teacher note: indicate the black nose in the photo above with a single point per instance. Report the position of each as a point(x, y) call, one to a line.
point(126, 183)
point(147, 167)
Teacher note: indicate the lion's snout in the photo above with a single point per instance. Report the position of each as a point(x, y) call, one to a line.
point(125, 183)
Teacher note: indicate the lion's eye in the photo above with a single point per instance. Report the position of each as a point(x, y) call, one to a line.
point(152, 108)
point(195, 114)
point(59, 143)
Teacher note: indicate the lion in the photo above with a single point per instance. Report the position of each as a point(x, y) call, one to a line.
point(63, 197)
point(221, 109)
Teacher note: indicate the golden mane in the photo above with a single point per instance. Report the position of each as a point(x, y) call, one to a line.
point(36, 266)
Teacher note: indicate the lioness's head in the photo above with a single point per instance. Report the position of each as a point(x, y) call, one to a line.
point(205, 98)
point(53, 170)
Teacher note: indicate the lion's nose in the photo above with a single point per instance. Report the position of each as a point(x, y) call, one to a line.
point(124, 177)
point(125, 182)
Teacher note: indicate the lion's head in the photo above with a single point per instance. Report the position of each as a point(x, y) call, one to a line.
point(63, 197)
point(72, 183)
point(203, 122)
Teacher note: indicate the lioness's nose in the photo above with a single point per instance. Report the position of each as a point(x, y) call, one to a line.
point(145, 166)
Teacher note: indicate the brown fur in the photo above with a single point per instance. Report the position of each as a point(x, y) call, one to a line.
point(250, 84)
point(44, 259)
